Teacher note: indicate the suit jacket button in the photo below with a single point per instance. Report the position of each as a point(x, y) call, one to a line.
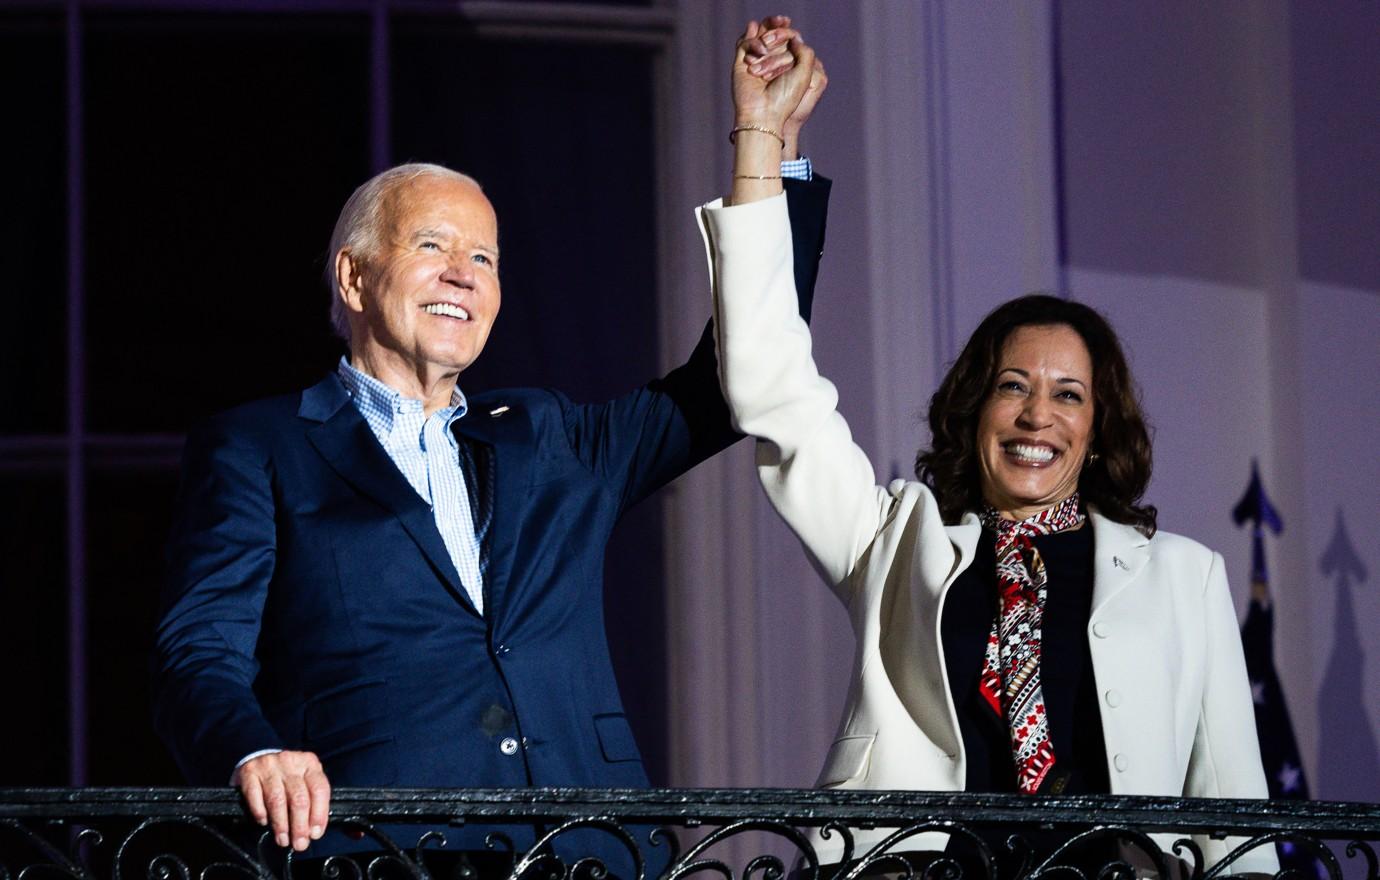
point(1113, 698)
point(1101, 630)
point(509, 746)
point(1120, 763)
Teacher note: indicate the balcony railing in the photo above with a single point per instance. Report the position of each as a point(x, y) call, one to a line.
point(199, 834)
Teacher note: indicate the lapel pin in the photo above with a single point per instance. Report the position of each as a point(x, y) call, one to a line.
point(1117, 561)
point(497, 411)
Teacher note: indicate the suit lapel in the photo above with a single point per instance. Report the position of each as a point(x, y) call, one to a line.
point(501, 440)
point(1119, 554)
point(344, 440)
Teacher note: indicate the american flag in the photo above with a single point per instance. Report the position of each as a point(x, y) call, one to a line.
point(1279, 751)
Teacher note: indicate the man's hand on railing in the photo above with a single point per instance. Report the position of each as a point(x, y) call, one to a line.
point(289, 792)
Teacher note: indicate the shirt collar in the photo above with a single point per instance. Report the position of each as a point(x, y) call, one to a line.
point(380, 403)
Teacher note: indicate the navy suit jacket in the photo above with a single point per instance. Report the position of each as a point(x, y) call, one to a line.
point(311, 603)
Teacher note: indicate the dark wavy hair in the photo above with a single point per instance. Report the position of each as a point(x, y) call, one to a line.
point(1113, 481)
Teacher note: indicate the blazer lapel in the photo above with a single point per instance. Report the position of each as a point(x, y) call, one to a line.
point(343, 438)
point(964, 537)
point(1119, 554)
point(923, 636)
point(501, 438)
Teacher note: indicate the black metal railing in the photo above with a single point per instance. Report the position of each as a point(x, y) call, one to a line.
point(755, 834)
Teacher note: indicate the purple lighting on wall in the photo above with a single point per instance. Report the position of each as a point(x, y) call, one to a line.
point(940, 207)
point(1056, 92)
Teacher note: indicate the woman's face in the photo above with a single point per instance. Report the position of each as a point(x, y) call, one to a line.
point(1036, 424)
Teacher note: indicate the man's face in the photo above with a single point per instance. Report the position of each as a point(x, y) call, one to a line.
point(427, 300)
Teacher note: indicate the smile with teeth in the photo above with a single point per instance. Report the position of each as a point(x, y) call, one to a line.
point(450, 311)
point(1026, 453)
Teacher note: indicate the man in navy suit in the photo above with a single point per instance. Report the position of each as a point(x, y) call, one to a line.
point(384, 581)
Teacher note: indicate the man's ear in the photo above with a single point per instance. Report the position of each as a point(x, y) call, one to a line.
point(349, 277)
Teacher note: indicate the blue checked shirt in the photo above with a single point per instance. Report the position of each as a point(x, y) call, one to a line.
point(798, 169)
point(427, 453)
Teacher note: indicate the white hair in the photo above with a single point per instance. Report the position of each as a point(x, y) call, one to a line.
point(359, 229)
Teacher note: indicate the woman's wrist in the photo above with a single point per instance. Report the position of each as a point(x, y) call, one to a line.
point(756, 168)
point(757, 132)
point(758, 120)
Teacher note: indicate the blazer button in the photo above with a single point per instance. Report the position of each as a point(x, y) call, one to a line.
point(1101, 630)
point(509, 746)
point(1113, 698)
point(1120, 763)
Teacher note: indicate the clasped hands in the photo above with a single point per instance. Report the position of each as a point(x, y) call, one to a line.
point(777, 79)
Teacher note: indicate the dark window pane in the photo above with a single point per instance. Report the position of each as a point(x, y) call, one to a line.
point(33, 224)
point(561, 137)
point(33, 629)
point(127, 523)
point(219, 150)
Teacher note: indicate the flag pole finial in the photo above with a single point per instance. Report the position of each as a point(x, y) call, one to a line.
point(1255, 508)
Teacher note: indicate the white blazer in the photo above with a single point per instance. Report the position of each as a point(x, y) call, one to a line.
point(1177, 715)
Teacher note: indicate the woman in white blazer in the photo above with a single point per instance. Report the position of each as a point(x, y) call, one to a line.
point(1024, 535)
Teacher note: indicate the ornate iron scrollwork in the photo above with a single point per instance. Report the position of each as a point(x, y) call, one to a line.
point(201, 834)
point(770, 867)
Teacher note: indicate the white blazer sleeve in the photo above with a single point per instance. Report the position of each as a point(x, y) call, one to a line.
point(818, 479)
point(1225, 762)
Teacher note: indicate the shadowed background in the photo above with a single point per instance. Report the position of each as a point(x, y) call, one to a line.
point(1206, 174)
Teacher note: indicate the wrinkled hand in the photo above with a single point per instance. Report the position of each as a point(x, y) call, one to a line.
point(763, 101)
point(289, 792)
point(764, 44)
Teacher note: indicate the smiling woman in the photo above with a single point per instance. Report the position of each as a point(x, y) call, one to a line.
point(1035, 426)
point(1022, 625)
point(1045, 369)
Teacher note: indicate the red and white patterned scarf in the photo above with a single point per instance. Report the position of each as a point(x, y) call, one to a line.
point(1010, 680)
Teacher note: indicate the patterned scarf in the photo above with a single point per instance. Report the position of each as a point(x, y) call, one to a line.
point(1010, 680)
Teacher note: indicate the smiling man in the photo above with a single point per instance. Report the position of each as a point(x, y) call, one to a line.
point(382, 580)
point(416, 279)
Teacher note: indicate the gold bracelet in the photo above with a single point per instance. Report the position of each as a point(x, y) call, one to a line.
point(757, 177)
point(733, 135)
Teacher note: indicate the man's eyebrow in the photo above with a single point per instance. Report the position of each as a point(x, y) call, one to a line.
point(438, 232)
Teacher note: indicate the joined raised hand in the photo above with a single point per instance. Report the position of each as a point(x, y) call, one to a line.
point(769, 83)
point(767, 55)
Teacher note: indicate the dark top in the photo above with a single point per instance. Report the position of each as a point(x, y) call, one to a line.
point(1066, 670)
